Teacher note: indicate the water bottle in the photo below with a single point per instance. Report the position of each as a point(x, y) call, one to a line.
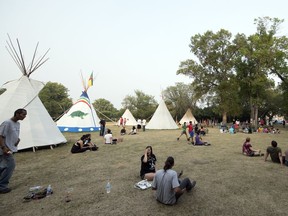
point(108, 187)
point(49, 190)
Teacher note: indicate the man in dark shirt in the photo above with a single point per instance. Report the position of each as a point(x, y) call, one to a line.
point(274, 152)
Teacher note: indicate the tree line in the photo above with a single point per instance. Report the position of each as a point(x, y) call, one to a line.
point(231, 77)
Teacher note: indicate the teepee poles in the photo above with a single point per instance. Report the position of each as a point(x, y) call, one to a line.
point(18, 58)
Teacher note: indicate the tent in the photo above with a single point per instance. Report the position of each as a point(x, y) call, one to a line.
point(188, 116)
point(81, 117)
point(130, 120)
point(38, 128)
point(162, 118)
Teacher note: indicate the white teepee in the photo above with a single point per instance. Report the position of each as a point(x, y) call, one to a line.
point(38, 128)
point(162, 118)
point(130, 120)
point(188, 116)
point(82, 116)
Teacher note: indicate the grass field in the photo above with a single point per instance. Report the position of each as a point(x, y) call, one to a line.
point(228, 183)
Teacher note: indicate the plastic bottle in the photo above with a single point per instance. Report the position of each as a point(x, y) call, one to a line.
point(49, 190)
point(108, 187)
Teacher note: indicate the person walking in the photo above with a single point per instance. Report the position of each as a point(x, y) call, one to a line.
point(183, 131)
point(9, 140)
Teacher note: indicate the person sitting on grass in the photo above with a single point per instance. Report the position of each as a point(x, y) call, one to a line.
point(275, 153)
point(148, 164)
point(109, 139)
point(123, 131)
point(83, 144)
point(203, 131)
point(248, 150)
point(199, 141)
point(133, 131)
point(168, 186)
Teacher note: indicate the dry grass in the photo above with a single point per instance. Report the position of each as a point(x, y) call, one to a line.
point(227, 182)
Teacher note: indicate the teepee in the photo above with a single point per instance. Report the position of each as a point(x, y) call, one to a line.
point(130, 120)
point(38, 128)
point(162, 118)
point(188, 116)
point(82, 116)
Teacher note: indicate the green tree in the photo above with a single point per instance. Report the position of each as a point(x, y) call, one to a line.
point(105, 109)
point(141, 105)
point(54, 96)
point(213, 73)
point(179, 98)
point(261, 54)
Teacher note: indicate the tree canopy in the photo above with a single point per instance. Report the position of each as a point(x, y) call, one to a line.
point(55, 98)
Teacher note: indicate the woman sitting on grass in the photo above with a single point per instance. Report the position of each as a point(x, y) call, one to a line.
point(148, 164)
point(199, 141)
point(83, 144)
point(133, 131)
point(248, 150)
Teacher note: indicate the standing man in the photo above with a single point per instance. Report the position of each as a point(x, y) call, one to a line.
point(191, 132)
point(9, 140)
point(102, 127)
point(168, 187)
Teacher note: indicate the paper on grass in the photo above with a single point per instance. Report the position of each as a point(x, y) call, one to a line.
point(143, 185)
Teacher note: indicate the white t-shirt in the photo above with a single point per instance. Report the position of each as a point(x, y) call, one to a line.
point(108, 138)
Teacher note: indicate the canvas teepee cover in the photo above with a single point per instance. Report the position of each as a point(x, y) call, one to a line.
point(38, 128)
point(188, 116)
point(130, 120)
point(162, 118)
point(82, 116)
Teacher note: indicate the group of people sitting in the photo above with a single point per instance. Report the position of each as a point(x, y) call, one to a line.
point(133, 131)
point(274, 151)
point(166, 181)
point(83, 144)
point(271, 130)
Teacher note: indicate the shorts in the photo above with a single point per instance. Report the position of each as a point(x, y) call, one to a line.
point(184, 132)
point(191, 134)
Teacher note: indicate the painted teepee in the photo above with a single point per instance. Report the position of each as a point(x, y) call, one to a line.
point(188, 116)
point(130, 120)
point(82, 116)
point(162, 118)
point(38, 128)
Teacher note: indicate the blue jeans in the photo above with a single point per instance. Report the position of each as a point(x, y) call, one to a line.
point(7, 166)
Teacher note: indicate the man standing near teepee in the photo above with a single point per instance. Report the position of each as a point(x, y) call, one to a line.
point(9, 140)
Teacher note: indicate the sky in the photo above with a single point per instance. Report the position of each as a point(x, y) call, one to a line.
point(128, 44)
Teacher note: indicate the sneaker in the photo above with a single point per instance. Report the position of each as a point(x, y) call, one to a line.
point(193, 183)
point(6, 190)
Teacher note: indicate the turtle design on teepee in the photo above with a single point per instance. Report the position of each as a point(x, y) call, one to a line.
point(82, 116)
point(38, 129)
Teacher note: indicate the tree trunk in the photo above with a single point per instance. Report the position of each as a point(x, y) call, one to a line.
point(256, 116)
point(224, 117)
